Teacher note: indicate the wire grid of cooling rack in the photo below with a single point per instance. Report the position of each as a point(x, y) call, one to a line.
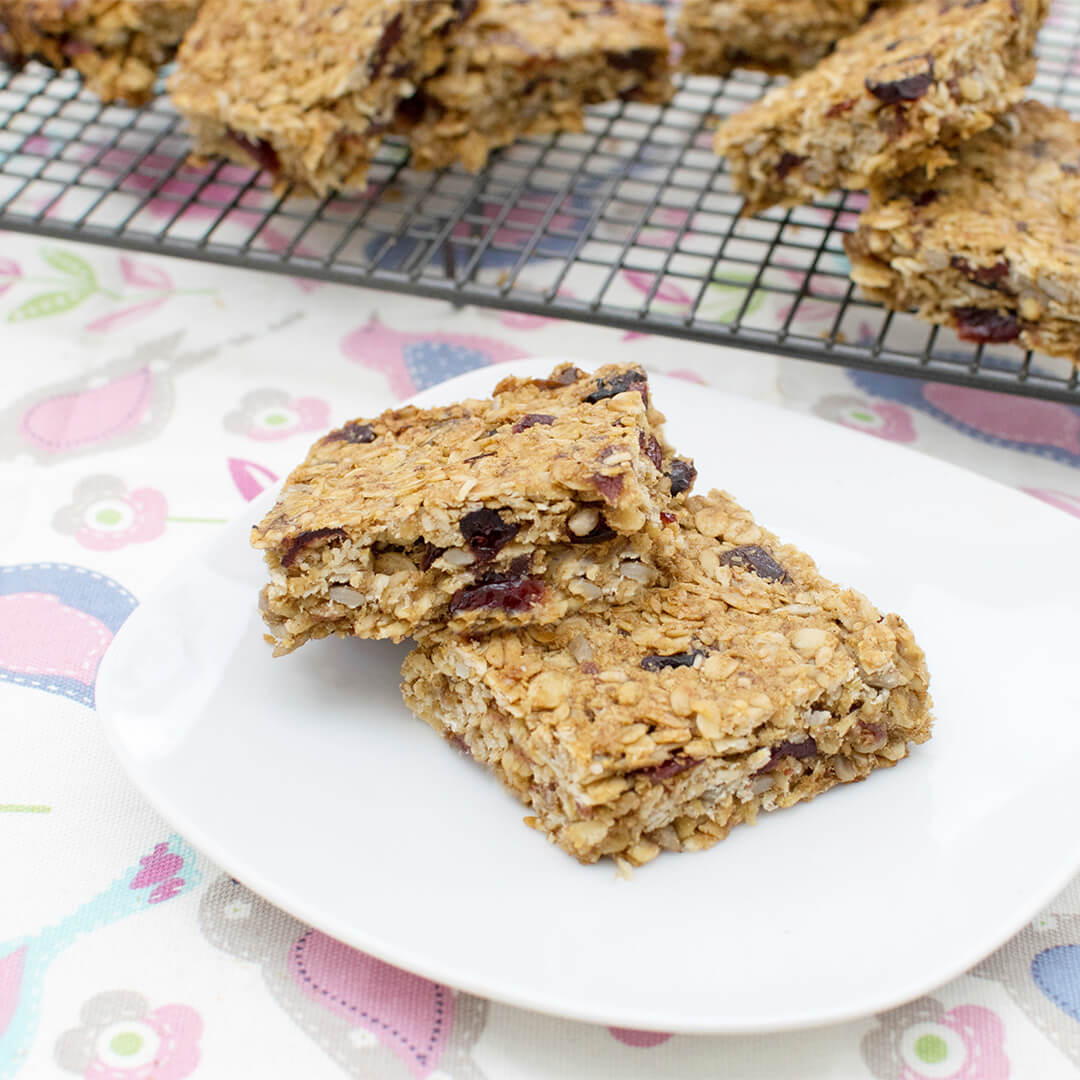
point(631, 224)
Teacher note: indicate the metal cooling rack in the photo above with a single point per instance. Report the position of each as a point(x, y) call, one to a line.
point(632, 224)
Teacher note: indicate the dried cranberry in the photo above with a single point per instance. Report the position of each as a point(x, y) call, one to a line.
point(682, 659)
point(981, 275)
point(633, 60)
point(666, 518)
point(600, 533)
point(391, 35)
point(529, 419)
point(755, 558)
point(682, 475)
point(651, 449)
point(677, 763)
point(806, 748)
point(985, 325)
point(902, 80)
point(296, 544)
point(75, 47)
point(892, 121)
point(631, 379)
point(352, 432)
point(608, 486)
point(561, 378)
point(429, 553)
point(259, 150)
point(502, 592)
point(486, 533)
point(589, 668)
point(464, 9)
point(871, 730)
point(841, 107)
point(787, 162)
point(458, 743)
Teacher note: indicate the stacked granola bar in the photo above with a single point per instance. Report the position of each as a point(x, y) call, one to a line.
point(974, 194)
point(896, 95)
point(643, 668)
point(989, 246)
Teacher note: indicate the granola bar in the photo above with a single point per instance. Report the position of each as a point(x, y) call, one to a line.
point(896, 95)
point(990, 246)
point(306, 88)
point(116, 47)
point(781, 37)
point(542, 500)
point(747, 683)
point(530, 69)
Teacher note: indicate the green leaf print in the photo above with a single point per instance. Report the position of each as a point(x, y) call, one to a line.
point(72, 266)
point(723, 302)
point(51, 303)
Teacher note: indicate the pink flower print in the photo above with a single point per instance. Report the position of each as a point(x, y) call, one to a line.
point(103, 515)
point(269, 415)
point(687, 375)
point(122, 1039)
point(885, 419)
point(668, 293)
point(1063, 500)
point(921, 1041)
point(160, 868)
point(414, 362)
point(249, 477)
point(642, 1039)
point(9, 274)
point(139, 275)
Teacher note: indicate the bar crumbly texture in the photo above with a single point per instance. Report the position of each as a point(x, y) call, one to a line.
point(117, 46)
point(781, 37)
point(915, 81)
point(530, 69)
point(747, 684)
point(554, 495)
point(306, 89)
point(990, 246)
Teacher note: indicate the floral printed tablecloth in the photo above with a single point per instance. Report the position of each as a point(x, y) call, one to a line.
point(143, 401)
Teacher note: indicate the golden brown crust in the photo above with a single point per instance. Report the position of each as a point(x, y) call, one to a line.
point(990, 246)
point(896, 95)
point(548, 500)
point(663, 722)
point(528, 69)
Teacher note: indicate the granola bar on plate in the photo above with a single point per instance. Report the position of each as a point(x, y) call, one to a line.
point(744, 682)
point(553, 495)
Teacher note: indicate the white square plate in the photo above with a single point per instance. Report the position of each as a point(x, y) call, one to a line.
point(308, 780)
